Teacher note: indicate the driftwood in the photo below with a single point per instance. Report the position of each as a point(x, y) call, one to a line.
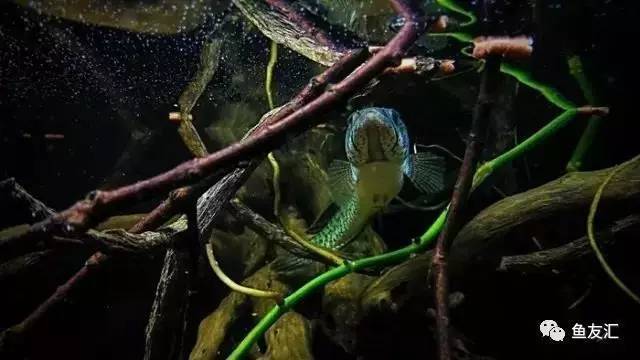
point(561, 256)
point(393, 289)
point(162, 341)
point(568, 193)
point(286, 25)
point(118, 240)
point(571, 192)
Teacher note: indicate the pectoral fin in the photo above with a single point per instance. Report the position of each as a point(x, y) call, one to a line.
point(426, 171)
point(341, 181)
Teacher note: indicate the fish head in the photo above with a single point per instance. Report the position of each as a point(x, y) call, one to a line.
point(376, 134)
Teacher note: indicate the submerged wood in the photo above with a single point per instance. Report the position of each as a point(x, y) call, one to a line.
point(209, 59)
point(164, 334)
point(562, 256)
point(571, 192)
point(286, 25)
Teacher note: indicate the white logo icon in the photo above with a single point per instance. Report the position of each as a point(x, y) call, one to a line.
point(546, 326)
point(551, 329)
point(556, 334)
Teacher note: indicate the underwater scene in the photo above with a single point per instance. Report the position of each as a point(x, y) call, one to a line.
point(319, 179)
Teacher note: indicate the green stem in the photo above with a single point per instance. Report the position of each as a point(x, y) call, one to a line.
point(399, 255)
point(576, 162)
point(551, 128)
point(586, 140)
point(451, 5)
point(551, 94)
point(577, 71)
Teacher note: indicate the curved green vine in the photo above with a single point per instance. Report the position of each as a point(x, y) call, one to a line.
point(268, 83)
point(592, 238)
point(551, 94)
point(451, 5)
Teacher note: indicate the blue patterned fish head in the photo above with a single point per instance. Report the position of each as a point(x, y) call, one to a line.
point(376, 134)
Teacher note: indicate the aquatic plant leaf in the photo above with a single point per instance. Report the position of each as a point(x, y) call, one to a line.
point(426, 171)
point(341, 181)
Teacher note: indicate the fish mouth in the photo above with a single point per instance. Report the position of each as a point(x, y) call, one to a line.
point(374, 129)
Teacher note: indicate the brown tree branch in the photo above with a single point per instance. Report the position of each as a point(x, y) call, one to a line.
point(481, 116)
point(292, 118)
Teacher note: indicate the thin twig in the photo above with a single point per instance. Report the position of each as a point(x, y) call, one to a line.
point(461, 190)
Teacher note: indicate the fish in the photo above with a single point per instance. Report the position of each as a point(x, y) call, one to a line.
point(379, 158)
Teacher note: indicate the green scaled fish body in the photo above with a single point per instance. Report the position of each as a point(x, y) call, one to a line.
point(379, 158)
